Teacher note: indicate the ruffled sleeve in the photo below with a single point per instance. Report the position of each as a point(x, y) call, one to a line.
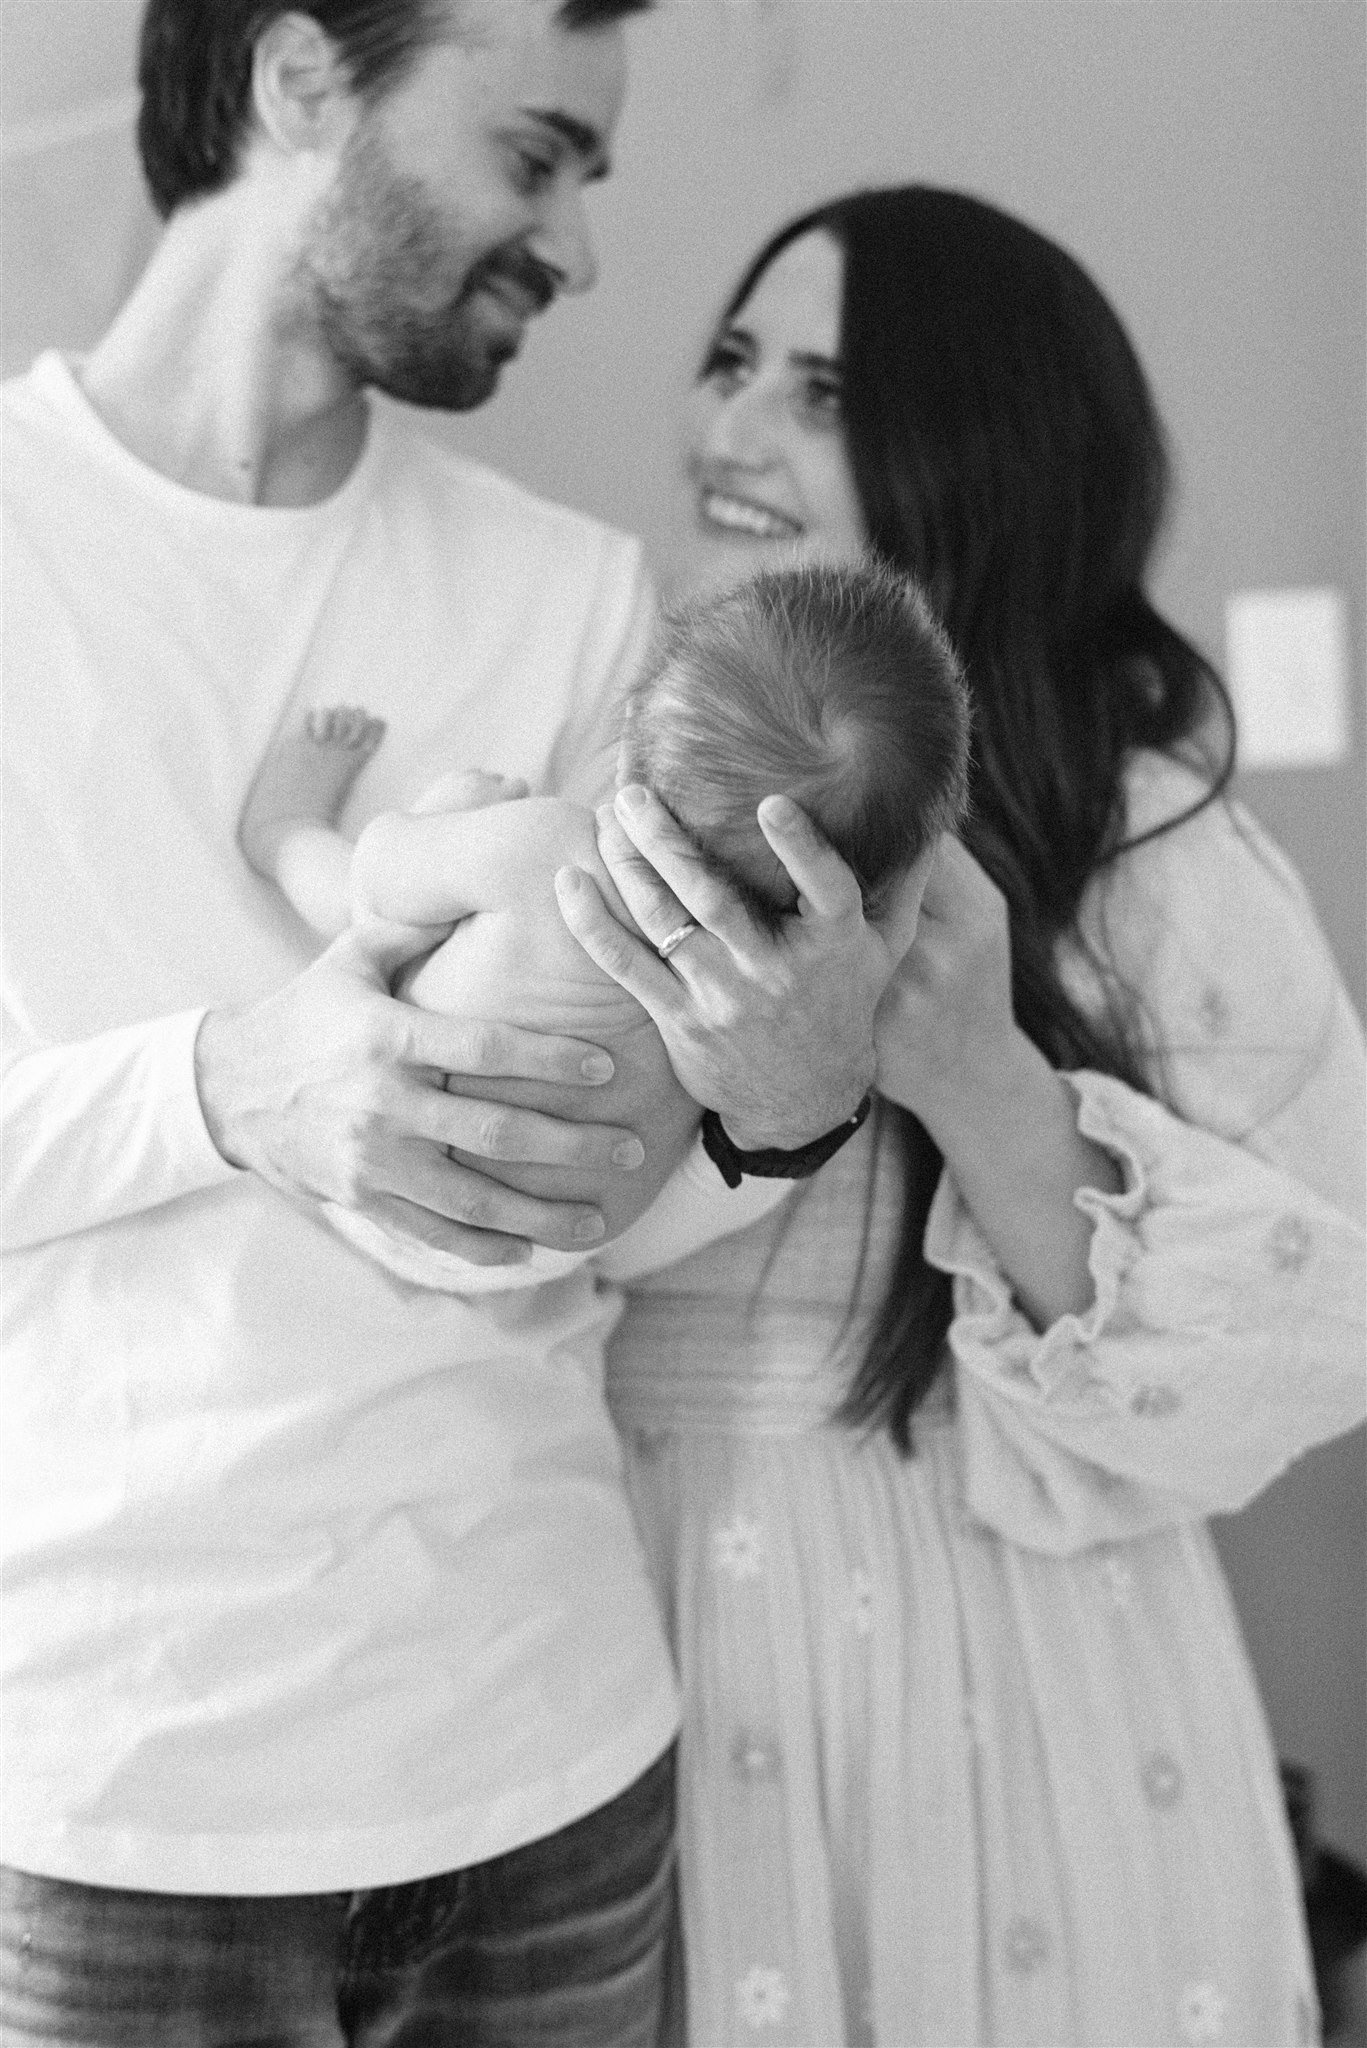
point(1226, 1330)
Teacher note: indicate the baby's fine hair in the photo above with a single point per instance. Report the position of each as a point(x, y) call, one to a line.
point(834, 686)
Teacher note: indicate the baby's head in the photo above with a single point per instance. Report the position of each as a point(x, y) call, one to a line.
point(834, 686)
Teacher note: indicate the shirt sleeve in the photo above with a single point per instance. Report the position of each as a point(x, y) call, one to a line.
point(1225, 1334)
point(97, 1130)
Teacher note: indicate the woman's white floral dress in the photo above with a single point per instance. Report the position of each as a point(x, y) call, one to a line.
point(972, 1752)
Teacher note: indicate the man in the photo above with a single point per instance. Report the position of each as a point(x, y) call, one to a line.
point(337, 1709)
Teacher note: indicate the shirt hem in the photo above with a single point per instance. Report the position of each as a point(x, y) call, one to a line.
point(343, 1859)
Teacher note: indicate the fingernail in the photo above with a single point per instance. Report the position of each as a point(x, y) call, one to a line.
point(605, 815)
point(597, 1067)
point(780, 810)
point(589, 1229)
point(633, 797)
point(569, 879)
point(630, 1153)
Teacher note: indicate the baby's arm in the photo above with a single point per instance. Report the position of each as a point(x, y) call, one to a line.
point(433, 867)
point(288, 825)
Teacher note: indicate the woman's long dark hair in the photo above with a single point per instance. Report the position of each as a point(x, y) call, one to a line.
point(1007, 452)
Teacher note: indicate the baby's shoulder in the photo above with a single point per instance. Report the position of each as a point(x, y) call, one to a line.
point(533, 836)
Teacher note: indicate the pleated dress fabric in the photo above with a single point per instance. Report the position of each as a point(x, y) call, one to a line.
point(937, 1787)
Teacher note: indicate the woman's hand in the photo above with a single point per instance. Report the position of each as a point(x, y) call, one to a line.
point(945, 1023)
point(950, 1050)
point(774, 1031)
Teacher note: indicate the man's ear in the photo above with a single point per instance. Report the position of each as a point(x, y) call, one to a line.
point(302, 95)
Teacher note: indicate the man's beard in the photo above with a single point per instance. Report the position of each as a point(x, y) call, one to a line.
point(377, 247)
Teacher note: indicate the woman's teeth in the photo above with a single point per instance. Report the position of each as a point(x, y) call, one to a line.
point(740, 516)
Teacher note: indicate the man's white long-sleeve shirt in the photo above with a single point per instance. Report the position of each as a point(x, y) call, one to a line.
point(314, 1580)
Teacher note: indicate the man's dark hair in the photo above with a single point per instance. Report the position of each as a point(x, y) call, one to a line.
point(195, 72)
point(835, 686)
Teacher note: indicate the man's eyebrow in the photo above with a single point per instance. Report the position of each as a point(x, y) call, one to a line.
point(807, 359)
point(586, 142)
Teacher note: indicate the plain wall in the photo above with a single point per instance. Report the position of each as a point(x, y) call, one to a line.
point(1204, 158)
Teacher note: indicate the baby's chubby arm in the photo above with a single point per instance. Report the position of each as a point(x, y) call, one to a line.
point(288, 827)
point(435, 866)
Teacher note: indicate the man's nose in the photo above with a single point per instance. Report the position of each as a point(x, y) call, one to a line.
point(564, 243)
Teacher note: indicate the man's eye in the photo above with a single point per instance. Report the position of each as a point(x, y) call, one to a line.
point(534, 169)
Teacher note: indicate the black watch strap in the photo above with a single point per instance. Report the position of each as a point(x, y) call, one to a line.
point(772, 1164)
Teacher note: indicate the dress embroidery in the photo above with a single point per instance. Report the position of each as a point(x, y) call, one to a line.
point(755, 1757)
point(763, 1997)
point(1202, 2013)
point(861, 1603)
point(1215, 1012)
point(1152, 1403)
point(1118, 1578)
point(1289, 1244)
point(1162, 1777)
point(1026, 1946)
point(738, 1548)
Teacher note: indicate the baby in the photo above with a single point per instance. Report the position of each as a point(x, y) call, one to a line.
point(833, 686)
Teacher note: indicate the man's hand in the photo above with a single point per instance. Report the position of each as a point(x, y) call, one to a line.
point(773, 1031)
point(330, 1089)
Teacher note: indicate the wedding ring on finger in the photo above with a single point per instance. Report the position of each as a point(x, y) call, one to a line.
point(676, 939)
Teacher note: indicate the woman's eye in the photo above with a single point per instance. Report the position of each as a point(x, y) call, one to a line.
point(726, 364)
point(823, 399)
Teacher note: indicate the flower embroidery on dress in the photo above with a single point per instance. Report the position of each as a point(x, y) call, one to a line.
point(738, 1548)
point(861, 1603)
point(1214, 1012)
point(1202, 2013)
point(755, 1757)
point(1076, 1381)
point(1026, 1946)
point(1162, 1779)
point(1288, 1244)
point(763, 1997)
point(1119, 1579)
point(1153, 1402)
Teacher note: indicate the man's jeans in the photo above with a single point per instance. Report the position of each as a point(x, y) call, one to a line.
point(560, 1944)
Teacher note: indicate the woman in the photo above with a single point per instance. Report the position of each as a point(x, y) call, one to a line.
point(973, 1751)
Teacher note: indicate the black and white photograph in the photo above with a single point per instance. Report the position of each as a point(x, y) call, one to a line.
point(684, 1118)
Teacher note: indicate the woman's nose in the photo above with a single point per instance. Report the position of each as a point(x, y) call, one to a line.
point(739, 428)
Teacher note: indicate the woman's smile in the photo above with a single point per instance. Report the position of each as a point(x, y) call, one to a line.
point(765, 461)
point(732, 513)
